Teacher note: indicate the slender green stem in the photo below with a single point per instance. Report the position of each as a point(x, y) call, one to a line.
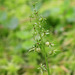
point(46, 60)
point(45, 55)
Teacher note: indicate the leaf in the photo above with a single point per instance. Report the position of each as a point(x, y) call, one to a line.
point(46, 13)
point(11, 23)
point(27, 44)
point(23, 35)
point(3, 16)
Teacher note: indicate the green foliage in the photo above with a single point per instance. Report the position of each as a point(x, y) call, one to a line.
point(17, 55)
point(8, 22)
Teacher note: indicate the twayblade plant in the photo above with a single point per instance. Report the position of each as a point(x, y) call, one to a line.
point(39, 36)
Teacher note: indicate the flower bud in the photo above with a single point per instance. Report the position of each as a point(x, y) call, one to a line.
point(47, 43)
point(33, 4)
point(41, 19)
point(38, 49)
point(51, 52)
point(52, 44)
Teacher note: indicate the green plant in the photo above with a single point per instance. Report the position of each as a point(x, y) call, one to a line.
point(39, 35)
point(16, 40)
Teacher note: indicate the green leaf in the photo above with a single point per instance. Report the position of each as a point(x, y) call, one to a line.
point(27, 44)
point(11, 23)
point(46, 13)
point(3, 16)
point(23, 35)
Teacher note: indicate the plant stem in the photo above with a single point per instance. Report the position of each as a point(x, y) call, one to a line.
point(45, 55)
point(42, 44)
point(46, 60)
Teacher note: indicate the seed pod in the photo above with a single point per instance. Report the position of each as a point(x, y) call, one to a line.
point(51, 44)
point(51, 52)
point(41, 19)
point(38, 49)
point(47, 43)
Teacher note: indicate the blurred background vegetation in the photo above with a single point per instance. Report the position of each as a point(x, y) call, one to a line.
point(16, 36)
